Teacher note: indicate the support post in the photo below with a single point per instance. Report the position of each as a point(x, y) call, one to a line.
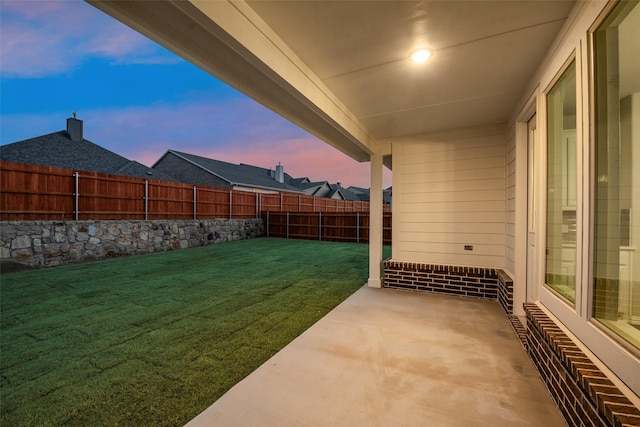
point(375, 223)
point(319, 225)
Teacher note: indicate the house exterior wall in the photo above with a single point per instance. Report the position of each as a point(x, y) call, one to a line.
point(618, 363)
point(462, 189)
point(450, 191)
point(510, 225)
point(188, 172)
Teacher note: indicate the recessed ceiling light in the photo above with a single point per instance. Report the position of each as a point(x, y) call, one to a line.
point(420, 56)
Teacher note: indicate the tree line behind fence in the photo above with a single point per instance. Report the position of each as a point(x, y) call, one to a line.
point(31, 192)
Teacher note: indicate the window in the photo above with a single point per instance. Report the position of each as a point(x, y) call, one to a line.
point(616, 296)
point(560, 272)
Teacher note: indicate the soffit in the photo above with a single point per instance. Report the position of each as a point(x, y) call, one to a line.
point(485, 52)
point(340, 69)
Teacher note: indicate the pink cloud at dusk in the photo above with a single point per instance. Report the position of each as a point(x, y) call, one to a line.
point(52, 37)
point(138, 100)
point(305, 157)
point(235, 130)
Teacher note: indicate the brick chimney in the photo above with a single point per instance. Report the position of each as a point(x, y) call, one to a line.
point(74, 128)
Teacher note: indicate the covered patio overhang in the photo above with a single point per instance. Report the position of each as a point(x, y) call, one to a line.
point(341, 70)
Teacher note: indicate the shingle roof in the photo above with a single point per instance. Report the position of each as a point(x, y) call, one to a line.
point(296, 182)
point(346, 194)
point(234, 174)
point(306, 185)
point(58, 150)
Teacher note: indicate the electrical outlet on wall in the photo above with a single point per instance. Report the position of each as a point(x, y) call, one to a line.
point(468, 247)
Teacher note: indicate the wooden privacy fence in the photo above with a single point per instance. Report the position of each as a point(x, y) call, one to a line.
point(291, 202)
point(327, 226)
point(30, 192)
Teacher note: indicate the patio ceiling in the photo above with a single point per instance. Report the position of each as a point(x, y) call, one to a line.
point(341, 69)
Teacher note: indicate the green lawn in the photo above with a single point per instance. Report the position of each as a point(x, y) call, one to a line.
point(155, 339)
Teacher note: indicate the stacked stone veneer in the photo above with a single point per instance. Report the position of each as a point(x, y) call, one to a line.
point(476, 282)
point(48, 243)
point(583, 393)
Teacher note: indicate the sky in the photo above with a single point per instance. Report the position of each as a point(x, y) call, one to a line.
point(138, 99)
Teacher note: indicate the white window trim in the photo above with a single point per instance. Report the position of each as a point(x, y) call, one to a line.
point(610, 354)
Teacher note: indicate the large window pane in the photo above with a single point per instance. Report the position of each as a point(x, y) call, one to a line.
point(561, 185)
point(617, 173)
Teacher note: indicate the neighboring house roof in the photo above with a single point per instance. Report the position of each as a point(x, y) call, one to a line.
point(236, 175)
point(362, 193)
point(320, 189)
point(59, 150)
point(296, 182)
point(365, 195)
point(339, 192)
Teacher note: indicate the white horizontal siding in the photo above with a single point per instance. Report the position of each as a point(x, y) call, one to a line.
point(456, 165)
point(479, 183)
point(510, 241)
point(444, 258)
point(451, 228)
point(448, 194)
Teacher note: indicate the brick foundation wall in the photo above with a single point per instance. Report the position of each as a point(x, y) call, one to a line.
point(583, 393)
point(505, 291)
point(476, 282)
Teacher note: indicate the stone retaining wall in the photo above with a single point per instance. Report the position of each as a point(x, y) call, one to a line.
point(48, 243)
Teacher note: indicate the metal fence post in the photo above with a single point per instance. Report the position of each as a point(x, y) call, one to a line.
point(195, 205)
point(257, 205)
point(357, 227)
point(280, 202)
point(76, 175)
point(320, 226)
point(268, 224)
point(230, 204)
point(287, 225)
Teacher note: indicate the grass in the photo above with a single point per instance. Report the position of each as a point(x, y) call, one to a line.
point(155, 339)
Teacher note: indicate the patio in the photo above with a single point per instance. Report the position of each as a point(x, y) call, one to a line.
point(386, 357)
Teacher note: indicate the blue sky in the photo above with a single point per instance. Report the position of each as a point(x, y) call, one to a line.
point(138, 99)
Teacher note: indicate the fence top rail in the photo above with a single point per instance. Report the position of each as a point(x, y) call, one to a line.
point(315, 214)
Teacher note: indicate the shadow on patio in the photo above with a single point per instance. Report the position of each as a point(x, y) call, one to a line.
point(386, 358)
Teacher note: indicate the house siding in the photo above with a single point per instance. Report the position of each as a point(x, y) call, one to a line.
point(510, 226)
point(450, 194)
point(617, 363)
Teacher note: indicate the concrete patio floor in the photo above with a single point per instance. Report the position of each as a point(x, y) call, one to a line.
point(389, 358)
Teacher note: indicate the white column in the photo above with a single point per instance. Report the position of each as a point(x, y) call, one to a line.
point(375, 223)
